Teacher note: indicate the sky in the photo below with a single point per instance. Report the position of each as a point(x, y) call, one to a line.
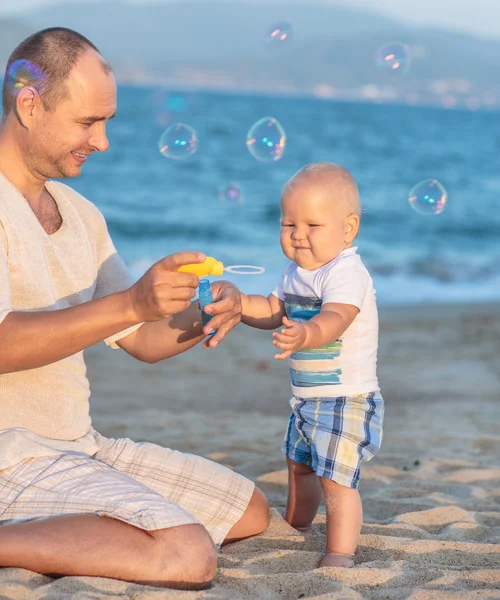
point(479, 17)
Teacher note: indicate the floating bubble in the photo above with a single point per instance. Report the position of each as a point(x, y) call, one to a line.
point(232, 193)
point(22, 73)
point(266, 139)
point(394, 57)
point(428, 197)
point(244, 270)
point(279, 32)
point(178, 141)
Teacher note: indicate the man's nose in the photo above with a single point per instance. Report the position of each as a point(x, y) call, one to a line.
point(99, 140)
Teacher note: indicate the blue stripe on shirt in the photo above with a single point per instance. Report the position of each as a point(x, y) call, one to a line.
point(302, 309)
point(313, 379)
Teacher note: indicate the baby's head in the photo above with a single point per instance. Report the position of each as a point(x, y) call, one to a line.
point(320, 213)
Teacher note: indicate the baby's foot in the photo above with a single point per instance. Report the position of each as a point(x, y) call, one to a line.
point(334, 559)
point(306, 529)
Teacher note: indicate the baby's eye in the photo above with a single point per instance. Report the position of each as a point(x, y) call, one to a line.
point(313, 224)
point(286, 224)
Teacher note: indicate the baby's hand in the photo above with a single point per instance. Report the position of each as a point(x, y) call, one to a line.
point(290, 339)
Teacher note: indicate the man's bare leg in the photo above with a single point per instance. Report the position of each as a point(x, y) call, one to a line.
point(254, 520)
point(304, 495)
point(180, 557)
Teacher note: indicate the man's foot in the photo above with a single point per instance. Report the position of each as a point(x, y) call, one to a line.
point(334, 559)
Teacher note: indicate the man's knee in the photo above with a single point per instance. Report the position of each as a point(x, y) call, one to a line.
point(254, 520)
point(259, 507)
point(187, 557)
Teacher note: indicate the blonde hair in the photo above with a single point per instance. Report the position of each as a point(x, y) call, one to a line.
point(333, 177)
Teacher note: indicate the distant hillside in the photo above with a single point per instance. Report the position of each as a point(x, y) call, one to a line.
point(220, 44)
point(194, 29)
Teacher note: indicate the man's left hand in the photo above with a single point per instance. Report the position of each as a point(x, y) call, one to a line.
point(226, 311)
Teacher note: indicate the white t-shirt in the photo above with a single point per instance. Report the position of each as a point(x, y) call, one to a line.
point(348, 365)
point(46, 410)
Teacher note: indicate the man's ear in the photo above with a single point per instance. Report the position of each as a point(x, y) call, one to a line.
point(351, 228)
point(27, 100)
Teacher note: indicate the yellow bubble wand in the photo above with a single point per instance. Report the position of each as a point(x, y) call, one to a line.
point(211, 266)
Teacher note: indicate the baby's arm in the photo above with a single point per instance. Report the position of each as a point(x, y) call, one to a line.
point(322, 329)
point(261, 312)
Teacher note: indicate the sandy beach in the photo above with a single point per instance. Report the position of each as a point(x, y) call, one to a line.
point(431, 496)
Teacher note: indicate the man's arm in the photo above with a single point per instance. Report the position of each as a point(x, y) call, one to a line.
point(166, 338)
point(172, 335)
point(29, 340)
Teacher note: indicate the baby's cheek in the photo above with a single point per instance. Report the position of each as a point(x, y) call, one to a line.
point(286, 246)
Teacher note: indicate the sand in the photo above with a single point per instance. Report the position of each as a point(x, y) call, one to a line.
point(431, 496)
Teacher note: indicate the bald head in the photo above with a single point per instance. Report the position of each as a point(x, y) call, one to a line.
point(336, 180)
point(44, 62)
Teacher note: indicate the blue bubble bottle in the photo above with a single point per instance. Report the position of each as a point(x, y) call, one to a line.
point(206, 298)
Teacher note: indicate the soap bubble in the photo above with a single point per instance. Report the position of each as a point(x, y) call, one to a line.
point(231, 193)
point(279, 32)
point(394, 57)
point(178, 141)
point(22, 73)
point(428, 197)
point(266, 139)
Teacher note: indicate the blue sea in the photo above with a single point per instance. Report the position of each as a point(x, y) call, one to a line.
point(155, 206)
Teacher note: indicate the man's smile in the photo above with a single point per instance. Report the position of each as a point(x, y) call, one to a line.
point(81, 158)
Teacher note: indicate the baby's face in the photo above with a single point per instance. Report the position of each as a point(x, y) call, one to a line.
point(313, 225)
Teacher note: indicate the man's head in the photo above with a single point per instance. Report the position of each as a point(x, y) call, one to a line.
point(57, 95)
point(320, 213)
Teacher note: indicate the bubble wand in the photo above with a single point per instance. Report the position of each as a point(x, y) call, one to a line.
point(211, 266)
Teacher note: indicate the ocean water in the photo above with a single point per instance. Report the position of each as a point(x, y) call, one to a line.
point(155, 206)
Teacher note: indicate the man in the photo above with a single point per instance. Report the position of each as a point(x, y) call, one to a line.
point(71, 501)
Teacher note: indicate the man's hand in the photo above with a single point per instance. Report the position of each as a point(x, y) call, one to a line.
point(226, 309)
point(163, 291)
point(290, 339)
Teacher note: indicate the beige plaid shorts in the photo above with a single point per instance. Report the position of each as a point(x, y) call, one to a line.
point(142, 484)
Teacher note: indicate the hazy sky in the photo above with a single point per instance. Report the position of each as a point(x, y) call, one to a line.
point(481, 17)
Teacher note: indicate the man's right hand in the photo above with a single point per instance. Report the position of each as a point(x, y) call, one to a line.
point(163, 291)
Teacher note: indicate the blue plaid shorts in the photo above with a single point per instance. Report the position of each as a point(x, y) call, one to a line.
point(333, 435)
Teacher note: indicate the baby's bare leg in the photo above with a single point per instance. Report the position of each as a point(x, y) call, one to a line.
point(304, 495)
point(344, 516)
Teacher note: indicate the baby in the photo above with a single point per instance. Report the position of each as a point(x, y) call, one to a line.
point(326, 303)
